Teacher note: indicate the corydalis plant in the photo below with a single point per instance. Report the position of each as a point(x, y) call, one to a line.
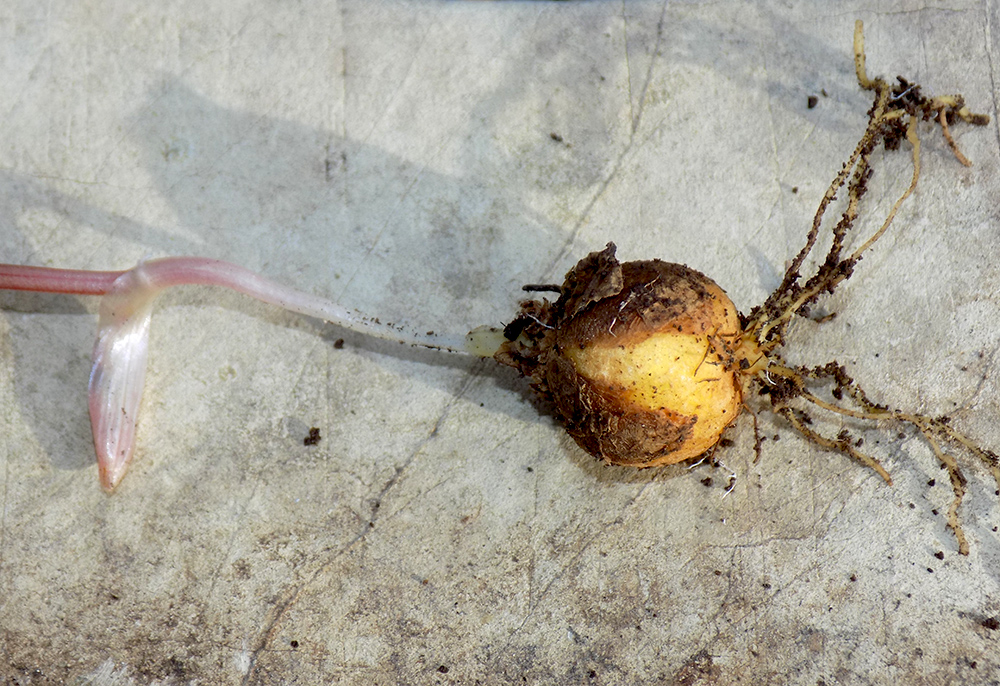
point(121, 351)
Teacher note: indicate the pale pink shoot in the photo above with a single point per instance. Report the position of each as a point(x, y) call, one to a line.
point(121, 351)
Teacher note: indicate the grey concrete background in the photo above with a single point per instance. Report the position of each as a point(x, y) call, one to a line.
point(399, 157)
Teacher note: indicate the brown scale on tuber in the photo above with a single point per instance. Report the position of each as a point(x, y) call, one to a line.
point(647, 363)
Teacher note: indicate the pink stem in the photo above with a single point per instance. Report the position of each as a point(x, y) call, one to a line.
point(202, 271)
point(15, 277)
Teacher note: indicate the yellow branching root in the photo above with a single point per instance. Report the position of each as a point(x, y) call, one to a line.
point(894, 117)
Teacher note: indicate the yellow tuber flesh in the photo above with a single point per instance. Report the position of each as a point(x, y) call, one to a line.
point(669, 373)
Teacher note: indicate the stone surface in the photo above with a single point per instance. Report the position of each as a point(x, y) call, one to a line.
point(422, 160)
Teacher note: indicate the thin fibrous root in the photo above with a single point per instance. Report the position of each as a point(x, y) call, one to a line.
point(935, 430)
point(943, 120)
point(958, 484)
point(894, 115)
point(840, 444)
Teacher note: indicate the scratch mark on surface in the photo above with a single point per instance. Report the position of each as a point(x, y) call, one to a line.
point(984, 375)
point(988, 41)
point(533, 558)
point(570, 242)
point(291, 596)
point(772, 129)
point(628, 70)
point(757, 612)
point(602, 529)
point(398, 90)
point(557, 577)
point(819, 530)
point(234, 533)
point(636, 119)
point(3, 513)
point(391, 216)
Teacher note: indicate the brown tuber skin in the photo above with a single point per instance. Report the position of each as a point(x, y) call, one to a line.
point(647, 363)
point(640, 360)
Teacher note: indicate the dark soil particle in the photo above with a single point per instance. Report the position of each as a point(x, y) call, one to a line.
point(313, 438)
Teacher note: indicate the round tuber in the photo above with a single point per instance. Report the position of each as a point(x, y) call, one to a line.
point(640, 360)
